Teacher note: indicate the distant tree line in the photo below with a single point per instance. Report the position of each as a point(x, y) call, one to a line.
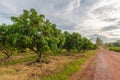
point(33, 31)
point(116, 44)
point(99, 42)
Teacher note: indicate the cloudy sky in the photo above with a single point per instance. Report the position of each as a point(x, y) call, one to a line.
point(91, 18)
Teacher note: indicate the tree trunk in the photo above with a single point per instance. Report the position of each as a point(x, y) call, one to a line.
point(39, 57)
point(68, 53)
point(80, 49)
point(7, 54)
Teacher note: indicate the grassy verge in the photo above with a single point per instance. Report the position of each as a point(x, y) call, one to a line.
point(115, 49)
point(70, 68)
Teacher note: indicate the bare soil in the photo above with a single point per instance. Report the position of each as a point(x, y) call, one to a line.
point(103, 66)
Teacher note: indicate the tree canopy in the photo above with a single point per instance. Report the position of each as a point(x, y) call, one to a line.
point(31, 30)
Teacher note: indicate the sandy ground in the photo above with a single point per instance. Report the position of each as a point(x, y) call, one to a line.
point(103, 66)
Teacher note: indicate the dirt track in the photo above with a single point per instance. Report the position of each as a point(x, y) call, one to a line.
point(103, 66)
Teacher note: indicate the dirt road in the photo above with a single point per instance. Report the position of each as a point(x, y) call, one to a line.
point(103, 66)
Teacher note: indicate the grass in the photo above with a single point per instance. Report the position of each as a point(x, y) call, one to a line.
point(24, 57)
point(13, 62)
point(63, 75)
point(15, 58)
point(70, 68)
point(10, 71)
point(115, 49)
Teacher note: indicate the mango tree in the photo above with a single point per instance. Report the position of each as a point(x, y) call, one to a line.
point(6, 40)
point(35, 32)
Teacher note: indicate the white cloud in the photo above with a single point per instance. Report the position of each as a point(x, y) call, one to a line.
point(72, 6)
point(101, 11)
point(87, 17)
point(10, 6)
point(106, 9)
